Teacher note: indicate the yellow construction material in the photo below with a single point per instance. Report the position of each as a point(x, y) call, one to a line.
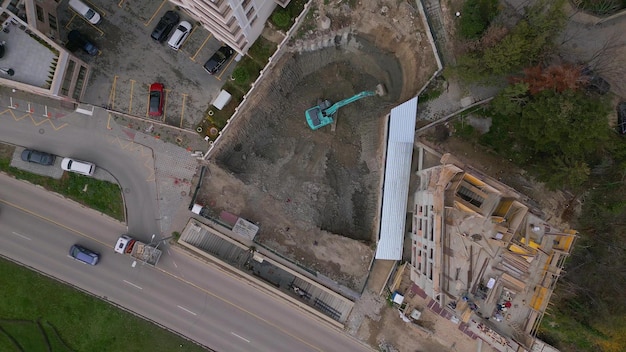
point(538, 298)
point(473, 180)
point(531, 243)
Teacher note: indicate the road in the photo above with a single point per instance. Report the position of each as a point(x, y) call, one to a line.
point(84, 139)
point(200, 302)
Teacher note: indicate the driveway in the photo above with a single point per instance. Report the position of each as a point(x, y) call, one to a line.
point(130, 60)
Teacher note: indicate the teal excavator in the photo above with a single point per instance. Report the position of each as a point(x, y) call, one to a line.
point(322, 114)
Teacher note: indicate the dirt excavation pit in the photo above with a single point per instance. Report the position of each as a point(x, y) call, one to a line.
point(316, 194)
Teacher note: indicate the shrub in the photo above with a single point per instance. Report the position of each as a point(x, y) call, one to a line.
point(281, 19)
point(476, 16)
point(241, 75)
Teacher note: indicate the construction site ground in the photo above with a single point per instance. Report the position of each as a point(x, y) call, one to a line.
point(316, 194)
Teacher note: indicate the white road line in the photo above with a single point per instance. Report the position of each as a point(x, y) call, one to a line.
point(173, 262)
point(22, 236)
point(187, 310)
point(130, 283)
point(248, 341)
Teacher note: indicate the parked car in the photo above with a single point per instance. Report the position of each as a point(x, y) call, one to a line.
point(84, 255)
point(2, 48)
point(215, 63)
point(165, 25)
point(156, 99)
point(77, 40)
point(78, 166)
point(37, 157)
point(621, 117)
point(595, 83)
point(87, 12)
point(180, 34)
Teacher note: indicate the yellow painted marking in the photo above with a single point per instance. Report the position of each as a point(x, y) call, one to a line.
point(193, 29)
point(182, 113)
point(109, 122)
point(148, 104)
point(112, 93)
point(155, 13)
point(100, 10)
point(234, 305)
point(67, 26)
point(219, 77)
point(193, 58)
point(144, 153)
point(35, 122)
point(119, 4)
point(53, 222)
point(165, 104)
point(132, 85)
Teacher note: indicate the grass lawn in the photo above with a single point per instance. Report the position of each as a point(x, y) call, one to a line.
point(103, 196)
point(40, 314)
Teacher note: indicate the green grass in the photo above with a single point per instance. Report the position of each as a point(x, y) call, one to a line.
point(103, 196)
point(68, 317)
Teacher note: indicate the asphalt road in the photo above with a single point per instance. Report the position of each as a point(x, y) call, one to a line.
point(200, 302)
point(82, 139)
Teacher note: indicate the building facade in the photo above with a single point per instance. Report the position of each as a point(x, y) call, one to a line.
point(238, 23)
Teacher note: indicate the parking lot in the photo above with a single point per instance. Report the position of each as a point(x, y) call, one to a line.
point(130, 60)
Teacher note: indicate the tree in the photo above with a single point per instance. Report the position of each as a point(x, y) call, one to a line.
point(477, 15)
point(556, 77)
point(527, 41)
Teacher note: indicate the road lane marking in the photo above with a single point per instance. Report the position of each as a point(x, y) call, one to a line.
point(22, 236)
point(232, 304)
point(248, 341)
point(136, 286)
point(53, 222)
point(186, 310)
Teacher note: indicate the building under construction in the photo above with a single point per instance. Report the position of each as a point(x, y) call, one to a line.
point(483, 255)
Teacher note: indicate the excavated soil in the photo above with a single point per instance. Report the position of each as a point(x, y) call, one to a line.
point(316, 194)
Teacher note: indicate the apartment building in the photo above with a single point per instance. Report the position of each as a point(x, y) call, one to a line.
point(482, 255)
point(238, 23)
point(33, 59)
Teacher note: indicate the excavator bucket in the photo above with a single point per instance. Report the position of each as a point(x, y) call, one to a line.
point(381, 91)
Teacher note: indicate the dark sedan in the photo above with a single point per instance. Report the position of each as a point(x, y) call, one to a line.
point(165, 25)
point(37, 157)
point(218, 59)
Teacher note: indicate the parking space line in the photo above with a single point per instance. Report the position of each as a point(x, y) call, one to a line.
point(148, 103)
point(100, 10)
point(109, 122)
point(182, 112)
point(67, 26)
point(155, 13)
point(193, 58)
point(189, 36)
point(84, 19)
point(219, 77)
point(119, 4)
point(112, 94)
point(165, 104)
point(132, 86)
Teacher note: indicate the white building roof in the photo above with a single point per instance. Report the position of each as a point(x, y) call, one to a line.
point(397, 175)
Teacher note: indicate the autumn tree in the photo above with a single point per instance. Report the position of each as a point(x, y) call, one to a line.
point(556, 77)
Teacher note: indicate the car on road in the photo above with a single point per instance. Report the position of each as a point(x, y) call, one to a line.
point(76, 39)
point(215, 63)
point(78, 166)
point(181, 32)
point(37, 157)
point(156, 99)
point(84, 255)
point(165, 25)
point(87, 12)
point(621, 117)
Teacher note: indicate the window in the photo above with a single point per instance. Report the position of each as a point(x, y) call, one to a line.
point(78, 89)
point(52, 21)
point(245, 4)
point(39, 10)
point(67, 78)
point(250, 13)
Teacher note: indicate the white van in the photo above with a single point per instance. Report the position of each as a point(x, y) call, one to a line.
point(181, 32)
point(78, 166)
point(92, 16)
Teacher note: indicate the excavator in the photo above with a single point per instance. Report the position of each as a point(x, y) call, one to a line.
point(322, 114)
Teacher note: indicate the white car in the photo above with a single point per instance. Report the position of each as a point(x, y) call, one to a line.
point(82, 9)
point(182, 31)
point(78, 166)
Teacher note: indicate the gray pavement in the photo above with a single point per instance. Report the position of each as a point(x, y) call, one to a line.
point(155, 176)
